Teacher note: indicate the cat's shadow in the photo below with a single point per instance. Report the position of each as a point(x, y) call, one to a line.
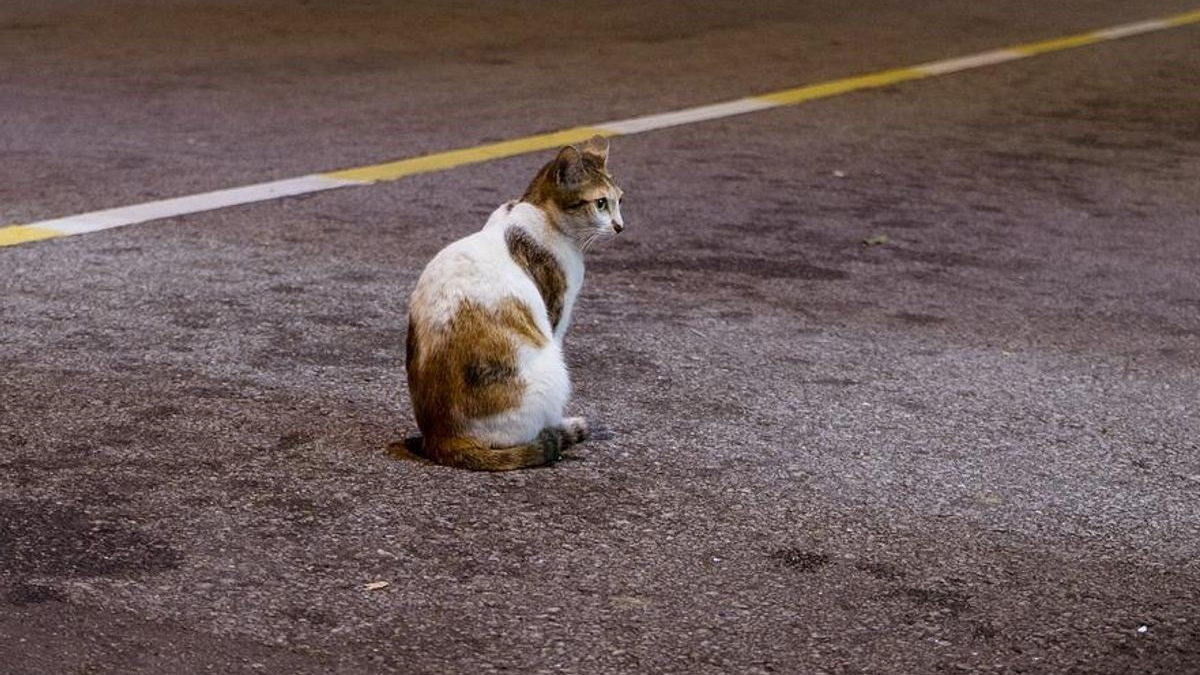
point(408, 450)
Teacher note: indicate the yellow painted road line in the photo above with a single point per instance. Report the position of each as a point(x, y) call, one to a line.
point(1058, 44)
point(1183, 19)
point(441, 161)
point(447, 160)
point(20, 234)
point(844, 86)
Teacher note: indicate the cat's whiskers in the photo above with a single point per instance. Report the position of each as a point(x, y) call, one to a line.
point(592, 239)
point(587, 242)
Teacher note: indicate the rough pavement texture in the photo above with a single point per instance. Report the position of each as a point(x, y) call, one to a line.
point(970, 448)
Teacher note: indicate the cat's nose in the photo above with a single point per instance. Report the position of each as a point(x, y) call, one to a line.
point(617, 227)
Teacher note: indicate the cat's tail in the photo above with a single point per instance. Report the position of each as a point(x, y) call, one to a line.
point(466, 453)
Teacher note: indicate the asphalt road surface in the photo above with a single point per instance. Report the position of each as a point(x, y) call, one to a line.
point(969, 445)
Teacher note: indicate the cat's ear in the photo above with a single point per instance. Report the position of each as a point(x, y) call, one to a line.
point(569, 171)
point(597, 145)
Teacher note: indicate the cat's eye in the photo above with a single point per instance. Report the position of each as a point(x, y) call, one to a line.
point(602, 204)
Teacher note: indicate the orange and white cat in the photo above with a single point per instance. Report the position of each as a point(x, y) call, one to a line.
point(486, 321)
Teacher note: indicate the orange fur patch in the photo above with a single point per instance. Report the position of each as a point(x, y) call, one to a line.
point(468, 370)
point(561, 183)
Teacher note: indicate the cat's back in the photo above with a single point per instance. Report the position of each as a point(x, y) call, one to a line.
point(475, 339)
point(476, 269)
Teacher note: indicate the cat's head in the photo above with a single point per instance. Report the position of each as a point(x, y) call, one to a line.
point(579, 193)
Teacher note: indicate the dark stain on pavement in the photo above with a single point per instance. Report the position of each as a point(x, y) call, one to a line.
point(832, 382)
point(310, 615)
point(159, 412)
point(286, 289)
point(767, 268)
point(940, 599)
point(291, 441)
point(12, 439)
point(44, 538)
point(24, 593)
point(883, 571)
point(213, 392)
point(803, 561)
point(193, 319)
point(919, 319)
point(24, 26)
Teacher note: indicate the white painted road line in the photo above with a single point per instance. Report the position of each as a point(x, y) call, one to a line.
point(179, 206)
point(1132, 29)
point(968, 62)
point(636, 125)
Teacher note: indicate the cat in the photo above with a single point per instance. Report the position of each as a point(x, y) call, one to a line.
point(487, 317)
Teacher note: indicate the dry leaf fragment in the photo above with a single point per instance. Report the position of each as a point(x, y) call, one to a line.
point(376, 585)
